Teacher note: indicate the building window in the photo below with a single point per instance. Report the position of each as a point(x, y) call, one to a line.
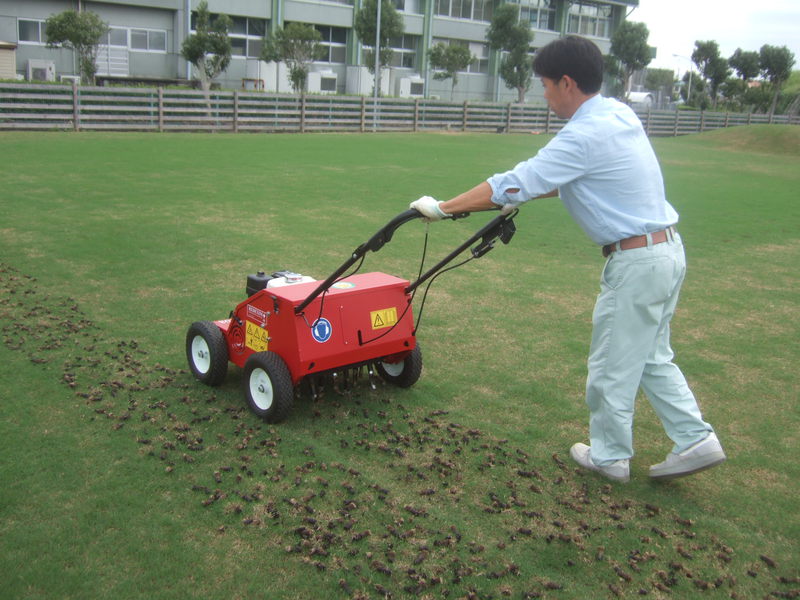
point(590, 19)
point(405, 51)
point(475, 10)
point(246, 35)
point(334, 40)
point(541, 14)
point(480, 54)
point(149, 40)
point(139, 40)
point(482, 10)
point(409, 6)
point(31, 31)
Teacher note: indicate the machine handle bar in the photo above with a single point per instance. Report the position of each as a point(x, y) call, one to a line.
point(501, 227)
point(384, 235)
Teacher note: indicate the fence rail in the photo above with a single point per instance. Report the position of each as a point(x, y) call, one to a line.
point(71, 107)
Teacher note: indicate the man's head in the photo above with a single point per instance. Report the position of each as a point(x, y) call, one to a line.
point(571, 70)
point(574, 56)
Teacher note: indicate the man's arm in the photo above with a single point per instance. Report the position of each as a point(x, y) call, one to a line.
point(478, 198)
point(474, 200)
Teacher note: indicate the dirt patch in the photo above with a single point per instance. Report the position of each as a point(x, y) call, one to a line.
point(394, 502)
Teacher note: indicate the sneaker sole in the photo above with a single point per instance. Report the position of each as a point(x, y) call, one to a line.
point(678, 474)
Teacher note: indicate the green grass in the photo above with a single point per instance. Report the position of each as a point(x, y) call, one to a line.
point(123, 477)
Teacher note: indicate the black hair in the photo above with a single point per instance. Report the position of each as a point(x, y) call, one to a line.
point(575, 56)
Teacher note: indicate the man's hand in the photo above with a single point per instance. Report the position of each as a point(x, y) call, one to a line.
point(509, 207)
point(429, 207)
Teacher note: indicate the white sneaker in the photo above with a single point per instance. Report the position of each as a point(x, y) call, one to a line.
point(618, 471)
point(704, 454)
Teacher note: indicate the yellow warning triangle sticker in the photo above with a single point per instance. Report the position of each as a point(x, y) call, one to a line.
point(378, 321)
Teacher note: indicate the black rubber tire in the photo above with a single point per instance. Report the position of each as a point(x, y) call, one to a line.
point(403, 374)
point(207, 352)
point(268, 387)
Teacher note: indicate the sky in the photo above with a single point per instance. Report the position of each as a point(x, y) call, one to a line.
point(675, 25)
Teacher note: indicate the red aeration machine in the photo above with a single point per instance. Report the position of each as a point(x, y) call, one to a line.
point(293, 328)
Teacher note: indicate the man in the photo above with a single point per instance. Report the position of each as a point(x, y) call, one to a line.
point(602, 166)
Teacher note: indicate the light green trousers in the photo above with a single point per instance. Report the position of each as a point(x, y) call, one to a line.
point(630, 349)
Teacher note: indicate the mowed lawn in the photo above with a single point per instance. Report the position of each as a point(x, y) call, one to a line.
point(121, 476)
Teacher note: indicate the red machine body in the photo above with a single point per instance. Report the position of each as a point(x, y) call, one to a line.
point(362, 318)
point(291, 327)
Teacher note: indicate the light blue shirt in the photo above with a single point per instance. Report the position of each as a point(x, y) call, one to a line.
point(605, 171)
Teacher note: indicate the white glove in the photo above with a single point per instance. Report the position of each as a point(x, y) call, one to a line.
point(429, 207)
point(509, 207)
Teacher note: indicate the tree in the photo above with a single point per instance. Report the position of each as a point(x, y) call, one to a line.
point(733, 90)
point(718, 72)
point(365, 27)
point(661, 80)
point(450, 59)
point(508, 34)
point(694, 94)
point(298, 45)
point(81, 32)
point(209, 48)
point(713, 68)
point(703, 54)
point(746, 64)
point(614, 75)
point(776, 67)
point(629, 45)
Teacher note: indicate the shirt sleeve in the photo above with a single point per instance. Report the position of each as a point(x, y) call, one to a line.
point(562, 160)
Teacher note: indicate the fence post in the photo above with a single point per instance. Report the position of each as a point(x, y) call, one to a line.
point(302, 113)
point(160, 109)
point(464, 116)
point(235, 111)
point(727, 114)
point(547, 121)
point(702, 120)
point(749, 118)
point(675, 130)
point(649, 116)
point(76, 110)
point(363, 113)
point(508, 117)
point(416, 114)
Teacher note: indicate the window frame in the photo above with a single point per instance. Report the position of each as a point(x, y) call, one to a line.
point(405, 50)
point(42, 41)
point(589, 18)
point(251, 41)
point(129, 32)
point(330, 45)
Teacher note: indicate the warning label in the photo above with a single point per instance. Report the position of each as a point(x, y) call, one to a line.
point(383, 318)
point(256, 338)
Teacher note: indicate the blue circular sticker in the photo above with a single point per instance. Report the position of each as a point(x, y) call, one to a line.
point(321, 330)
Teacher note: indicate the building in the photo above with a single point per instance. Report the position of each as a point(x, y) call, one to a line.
point(145, 37)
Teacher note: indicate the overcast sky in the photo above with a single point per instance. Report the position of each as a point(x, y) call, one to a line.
point(675, 25)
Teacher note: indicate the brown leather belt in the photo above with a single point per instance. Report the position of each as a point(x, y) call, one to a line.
point(640, 241)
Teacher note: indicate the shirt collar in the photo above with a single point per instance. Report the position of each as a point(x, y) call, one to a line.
point(587, 106)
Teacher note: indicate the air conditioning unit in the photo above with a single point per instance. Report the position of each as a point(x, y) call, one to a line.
point(322, 82)
point(41, 70)
point(69, 79)
point(359, 81)
point(411, 87)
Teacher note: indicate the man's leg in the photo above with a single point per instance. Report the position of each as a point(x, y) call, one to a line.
point(635, 285)
point(663, 382)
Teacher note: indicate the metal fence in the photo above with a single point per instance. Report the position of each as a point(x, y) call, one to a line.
point(27, 106)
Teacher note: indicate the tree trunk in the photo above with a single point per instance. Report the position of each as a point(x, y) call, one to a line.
point(205, 86)
point(774, 102)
